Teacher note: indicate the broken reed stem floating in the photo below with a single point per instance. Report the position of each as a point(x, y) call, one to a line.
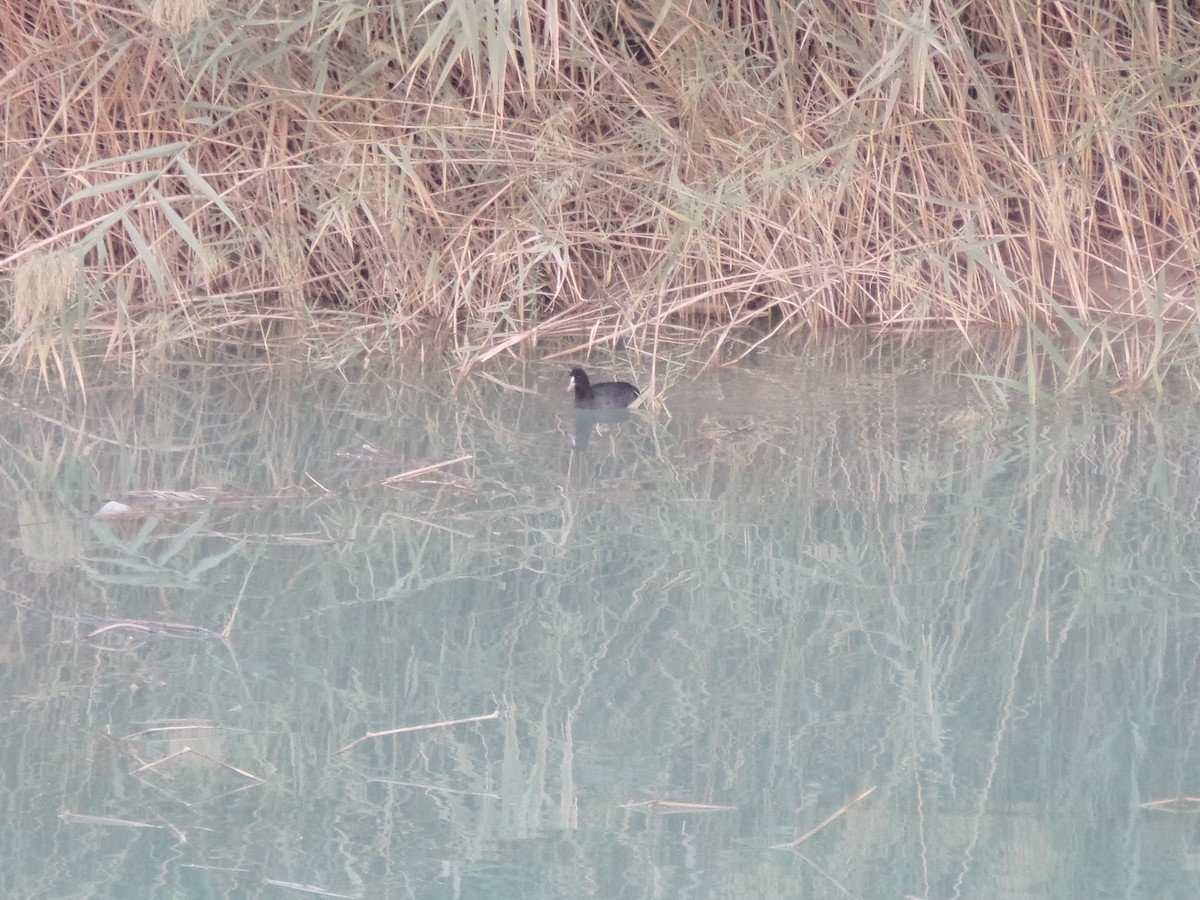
point(1173, 805)
point(837, 815)
point(309, 889)
point(420, 785)
point(433, 467)
point(409, 728)
point(84, 819)
point(188, 750)
point(673, 807)
point(152, 627)
point(165, 729)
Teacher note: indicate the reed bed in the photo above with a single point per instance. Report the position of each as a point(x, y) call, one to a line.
point(348, 178)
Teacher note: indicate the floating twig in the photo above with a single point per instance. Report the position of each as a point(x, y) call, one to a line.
point(1173, 804)
point(508, 386)
point(162, 729)
point(391, 731)
point(837, 815)
point(673, 807)
point(187, 750)
point(153, 627)
point(435, 788)
point(308, 888)
point(83, 819)
point(432, 467)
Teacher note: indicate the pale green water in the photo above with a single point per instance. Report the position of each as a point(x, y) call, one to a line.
point(803, 580)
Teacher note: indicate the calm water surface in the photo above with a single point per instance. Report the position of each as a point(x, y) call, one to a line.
point(849, 581)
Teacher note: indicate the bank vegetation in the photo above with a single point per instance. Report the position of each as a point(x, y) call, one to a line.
point(347, 178)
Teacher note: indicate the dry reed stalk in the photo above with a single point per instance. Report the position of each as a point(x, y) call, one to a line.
point(614, 175)
point(84, 819)
point(1173, 805)
point(674, 807)
point(411, 728)
point(171, 729)
point(310, 889)
point(153, 627)
point(188, 751)
point(833, 818)
point(423, 470)
point(436, 788)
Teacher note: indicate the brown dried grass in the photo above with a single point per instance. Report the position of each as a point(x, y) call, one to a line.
point(627, 174)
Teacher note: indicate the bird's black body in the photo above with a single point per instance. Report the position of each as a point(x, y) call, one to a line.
point(606, 395)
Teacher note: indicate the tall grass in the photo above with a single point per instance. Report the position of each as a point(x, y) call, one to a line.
point(636, 172)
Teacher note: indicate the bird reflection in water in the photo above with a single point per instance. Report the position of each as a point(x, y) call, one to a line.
point(595, 421)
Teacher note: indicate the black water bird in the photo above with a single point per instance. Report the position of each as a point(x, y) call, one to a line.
point(607, 395)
